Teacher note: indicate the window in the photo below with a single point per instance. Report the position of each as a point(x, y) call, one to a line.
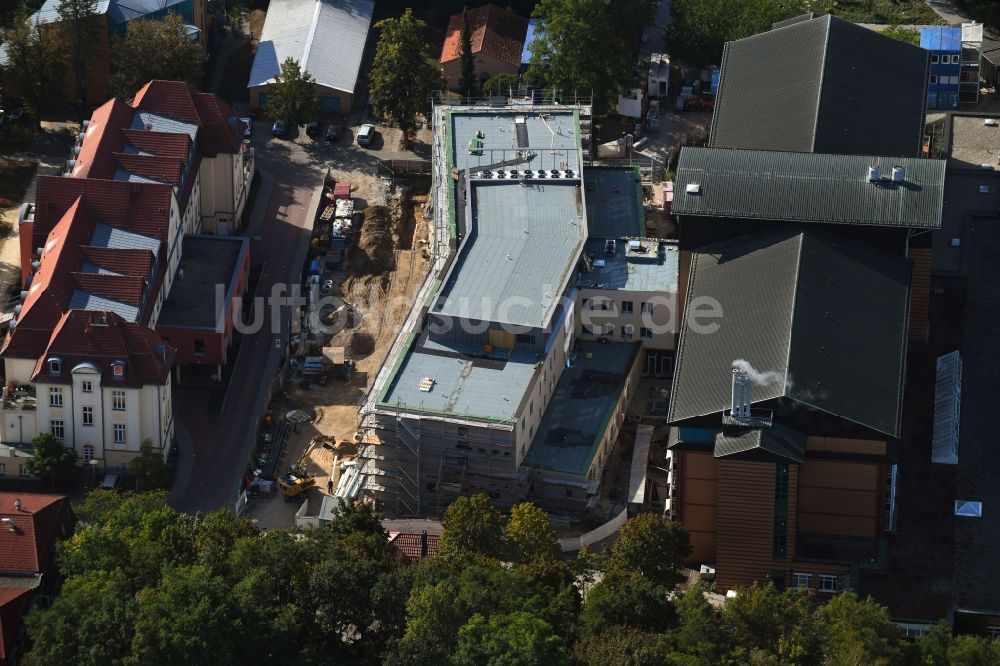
point(3, 469)
point(626, 307)
point(88, 453)
point(598, 304)
point(88, 416)
point(55, 397)
point(646, 333)
point(955, 59)
point(531, 408)
point(646, 307)
point(525, 338)
point(934, 58)
point(628, 331)
point(118, 369)
point(933, 78)
point(199, 346)
point(22, 471)
point(55, 366)
point(827, 583)
point(118, 401)
point(119, 434)
point(87, 386)
point(58, 429)
point(800, 581)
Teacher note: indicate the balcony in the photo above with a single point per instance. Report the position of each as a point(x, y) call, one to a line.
point(759, 418)
point(19, 398)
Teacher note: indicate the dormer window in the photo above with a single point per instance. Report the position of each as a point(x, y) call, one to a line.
point(55, 365)
point(118, 369)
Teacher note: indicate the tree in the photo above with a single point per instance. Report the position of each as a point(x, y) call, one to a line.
point(80, 27)
point(621, 647)
point(235, 15)
point(35, 61)
point(51, 461)
point(14, 139)
point(627, 600)
point(467, 81)
point(700, 28)
point(652, 546)
point(530, 535)
point(515, 638)
point(403, 76)
point(859, 631)
point(472, 527)
point(587, 47)
point(501, 84)
point(149, 468)
point(154, 49)
point(292, 96)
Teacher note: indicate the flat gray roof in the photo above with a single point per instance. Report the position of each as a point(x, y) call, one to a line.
point(464, 386)
point(523, 242)
point(206, 262)
point(583, 402)
point(614, 202)
point(621, 273)
point(973, 142)
point(551, 138)
point(808, 187)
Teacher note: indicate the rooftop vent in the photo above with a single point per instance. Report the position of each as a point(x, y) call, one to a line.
point(898, 174)
point(984, 189)
point(740, 407)
point(693, 188)
point(991, 122)
point(874, 174)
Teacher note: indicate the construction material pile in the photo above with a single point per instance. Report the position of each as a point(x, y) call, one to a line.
point(376, 244)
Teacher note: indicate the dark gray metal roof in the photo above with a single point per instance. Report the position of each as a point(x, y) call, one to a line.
point(809, 187)
point(824, 85)
point(816, 318)
point(763, 442)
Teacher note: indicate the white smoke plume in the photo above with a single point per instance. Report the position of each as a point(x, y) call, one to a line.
point(757, 377)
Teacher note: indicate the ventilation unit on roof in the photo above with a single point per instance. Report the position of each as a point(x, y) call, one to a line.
point(991, 122)
point(874, 174)
point(898, 174)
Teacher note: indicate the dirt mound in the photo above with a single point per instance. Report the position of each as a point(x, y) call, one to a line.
point(362, 344)
point(376, 243)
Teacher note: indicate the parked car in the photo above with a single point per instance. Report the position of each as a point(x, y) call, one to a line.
point(280, 129)
point(312, 129)
point(247, 129)
point(365, 134)
point(334, 131)
point(110, 481)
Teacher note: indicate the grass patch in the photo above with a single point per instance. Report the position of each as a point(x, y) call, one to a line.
point(884, 11)
point(15, 176)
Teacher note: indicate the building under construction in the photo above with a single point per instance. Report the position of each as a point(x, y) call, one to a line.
point(514, 370)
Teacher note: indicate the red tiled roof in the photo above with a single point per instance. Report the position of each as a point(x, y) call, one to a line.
point(143, 208)
point(41, 520)
point(181, 101)
point(406, 546)
point(163, 169)
point(121, 288)
point(13, 606)
point(83, 336)
point(164, 144)
point(50, 291)
point(137, 263)
point(495, 31)
point(102, 137)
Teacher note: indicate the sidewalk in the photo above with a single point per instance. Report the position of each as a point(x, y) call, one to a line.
point(948, 12)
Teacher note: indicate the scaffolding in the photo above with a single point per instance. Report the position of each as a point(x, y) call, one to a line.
point(970, 63)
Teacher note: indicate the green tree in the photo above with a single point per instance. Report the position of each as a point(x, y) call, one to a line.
point(149, 468)
point(621, 647)
point(859, 631)
point(154, 49)
point(627, 600)
point(80, 27)
point(403, 76)
point(35, 60)
point(973, 651)
point(652, 546)
point(530, 535)
point(472, 526)
point(700, 28)
point(467, 62)
point(14, 139)
point(587, 47)
point(235, 15)
point(51, 461)
point(292, 96)
point(698, 638)
point(501, 85)
point(515, 638)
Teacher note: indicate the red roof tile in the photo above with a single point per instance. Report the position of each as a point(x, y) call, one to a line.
point(102, 137)
point(100, 338)
point(163, 169)
point(220, 131)
point(121, 288)
point(137, 263)
point(496, 32)
point(164, 144)
point(406, 546)
point(13, 606)
point(40, 521)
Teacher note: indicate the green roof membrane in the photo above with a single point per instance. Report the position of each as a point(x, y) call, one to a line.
point(807, 187)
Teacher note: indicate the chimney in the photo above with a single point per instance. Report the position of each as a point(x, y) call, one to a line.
point(423, 544)
point(740, 408)
point(17, 504)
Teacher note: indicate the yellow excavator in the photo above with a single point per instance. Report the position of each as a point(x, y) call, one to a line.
point(298, 480)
